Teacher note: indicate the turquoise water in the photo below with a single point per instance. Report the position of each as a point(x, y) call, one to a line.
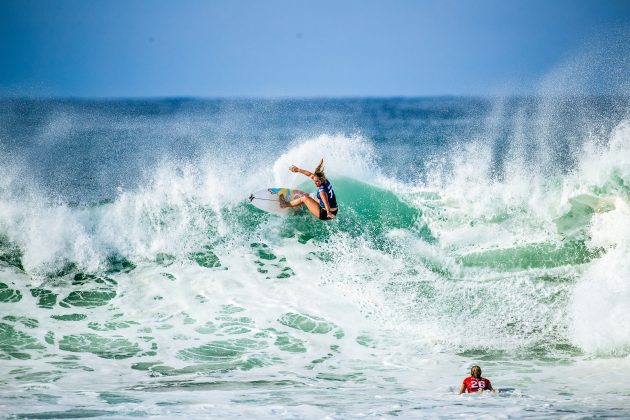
point(136, 280)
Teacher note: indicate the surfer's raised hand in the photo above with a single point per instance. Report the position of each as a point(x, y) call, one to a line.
point(294, 168)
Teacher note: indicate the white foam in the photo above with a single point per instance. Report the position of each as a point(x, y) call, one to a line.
point(601, 304)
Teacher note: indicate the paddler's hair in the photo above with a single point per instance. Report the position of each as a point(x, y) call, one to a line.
point(319, 171)
point(475, 371)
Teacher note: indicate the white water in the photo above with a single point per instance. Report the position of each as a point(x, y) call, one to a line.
point(413, 316)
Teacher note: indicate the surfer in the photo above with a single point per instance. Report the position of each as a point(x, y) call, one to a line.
point(475, 383)
point(326, 208)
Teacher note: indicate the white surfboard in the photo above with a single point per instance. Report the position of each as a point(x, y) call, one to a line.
point(269, 199)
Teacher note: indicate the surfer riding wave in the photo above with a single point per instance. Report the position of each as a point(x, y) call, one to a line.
point(326, 208)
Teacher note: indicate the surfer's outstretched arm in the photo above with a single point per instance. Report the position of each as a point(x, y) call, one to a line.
point(294, 168)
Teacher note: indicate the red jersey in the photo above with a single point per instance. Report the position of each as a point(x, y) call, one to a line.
point(473, 384)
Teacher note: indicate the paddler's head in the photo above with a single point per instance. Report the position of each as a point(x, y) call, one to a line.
point(475, 372)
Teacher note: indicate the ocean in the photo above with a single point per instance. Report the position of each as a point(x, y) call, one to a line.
point(137, 281)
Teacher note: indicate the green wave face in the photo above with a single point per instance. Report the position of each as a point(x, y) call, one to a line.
point(372, 209)
point(365, 211)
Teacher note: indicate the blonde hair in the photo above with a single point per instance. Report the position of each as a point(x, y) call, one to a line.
point(319, 171)
point(475, 371)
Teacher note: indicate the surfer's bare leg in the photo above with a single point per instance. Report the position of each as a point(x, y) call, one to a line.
point(293, 203)
point(311, 205)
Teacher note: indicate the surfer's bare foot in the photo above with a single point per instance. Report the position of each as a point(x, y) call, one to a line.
point(283, 201)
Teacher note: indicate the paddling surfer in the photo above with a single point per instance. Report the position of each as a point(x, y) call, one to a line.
point(475, 383)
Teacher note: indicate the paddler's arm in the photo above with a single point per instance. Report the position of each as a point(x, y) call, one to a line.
point(324, 196)
point(462, 388)
point(294, 168)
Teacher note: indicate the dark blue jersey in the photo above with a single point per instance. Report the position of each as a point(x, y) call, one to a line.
point(328, 189)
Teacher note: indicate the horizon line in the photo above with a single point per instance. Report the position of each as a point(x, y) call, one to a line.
point(300, 97)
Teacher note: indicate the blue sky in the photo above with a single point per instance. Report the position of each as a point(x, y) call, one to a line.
point(280, 48)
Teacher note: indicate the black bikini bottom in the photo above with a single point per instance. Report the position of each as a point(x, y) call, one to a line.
point(323, 215)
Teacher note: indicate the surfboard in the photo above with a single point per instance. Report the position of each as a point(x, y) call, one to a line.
point(269, 199)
